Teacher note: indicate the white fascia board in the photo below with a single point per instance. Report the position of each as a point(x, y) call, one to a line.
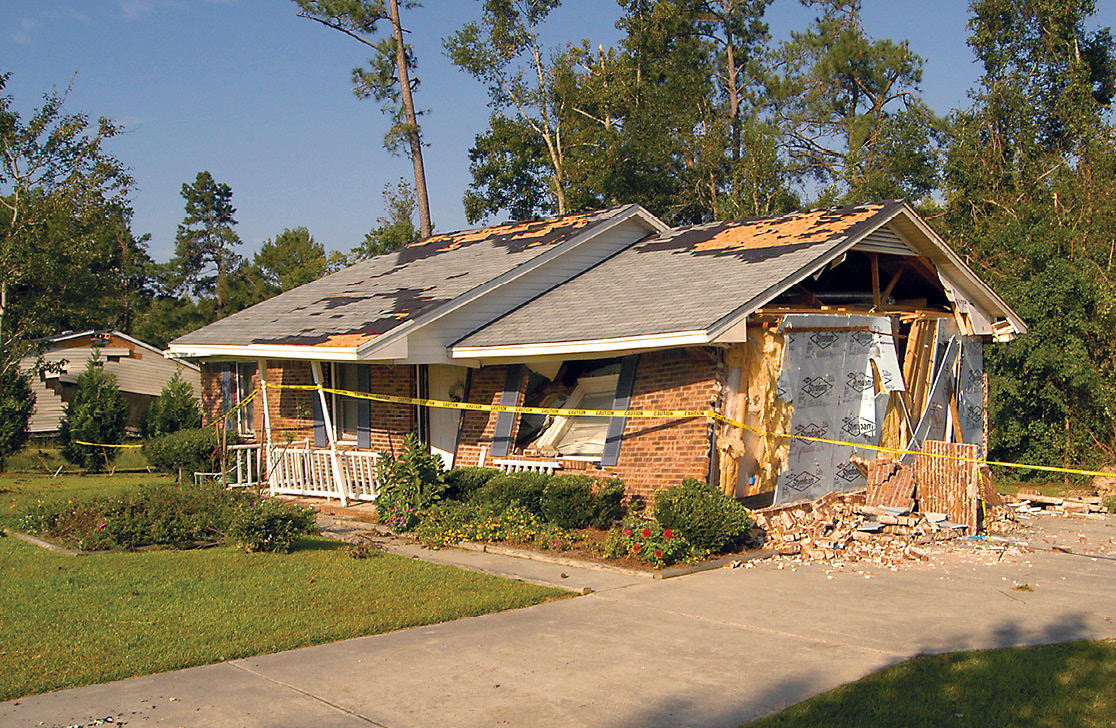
point(726, 325)
point(371, 349)
point(589, 346)
point(258, 351)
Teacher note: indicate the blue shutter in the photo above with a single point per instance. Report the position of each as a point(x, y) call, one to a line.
point(621, 401)
point(364, 408)
point(502, 437)
point(228, 393)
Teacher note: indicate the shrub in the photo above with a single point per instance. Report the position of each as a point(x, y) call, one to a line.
point(461, 483)
point(705, 516)
point(17, 402)
point(451, 522)
point(409, 483)
point(651, 543)
point(609, 503)
point(174, 409)
point(161, 515)
point(269, 525)
point(97, 413)
point(525, 489)
point(568, 501)
point(191, 451)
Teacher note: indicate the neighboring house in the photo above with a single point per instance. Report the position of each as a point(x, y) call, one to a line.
point(141, 372)
point(856, 324)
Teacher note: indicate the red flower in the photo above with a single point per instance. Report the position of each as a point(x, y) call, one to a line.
point(636, 548)
point(646, 533)
point(627, 532)
point(658, 553)
point(667, 534)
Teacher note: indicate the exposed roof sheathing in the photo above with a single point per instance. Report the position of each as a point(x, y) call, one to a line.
point(355, 305)
point(686, 279)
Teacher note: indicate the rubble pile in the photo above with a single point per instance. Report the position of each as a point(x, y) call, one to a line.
point(843, 526)
point(1031, 501)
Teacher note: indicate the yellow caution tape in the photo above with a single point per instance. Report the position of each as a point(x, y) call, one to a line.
point(680, 414)
point(677, 414)
point(100, 444)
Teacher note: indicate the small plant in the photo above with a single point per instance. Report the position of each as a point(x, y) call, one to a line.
point(706, 517)
point(363, 550)
point(1110, 503)
point(461, 483)
point(409, 483)
point(270, 525)
point(651, 543)
point(96, 414)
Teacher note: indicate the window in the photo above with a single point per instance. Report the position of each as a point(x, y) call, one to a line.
point(581, 437)
point(345, 409)
point(245, 416)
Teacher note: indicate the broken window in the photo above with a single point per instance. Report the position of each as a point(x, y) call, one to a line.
point(580, 437)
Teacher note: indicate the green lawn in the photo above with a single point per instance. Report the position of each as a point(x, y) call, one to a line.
point(1071, 685)
point(45, 456)
point(76, 620)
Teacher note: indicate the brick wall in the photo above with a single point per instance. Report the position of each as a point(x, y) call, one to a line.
point(656, 452)
point(390, 422)
point(659, 452)
point(477, 428)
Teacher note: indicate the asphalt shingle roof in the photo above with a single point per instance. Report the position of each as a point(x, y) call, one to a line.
point(686, 279)
point(353, 306)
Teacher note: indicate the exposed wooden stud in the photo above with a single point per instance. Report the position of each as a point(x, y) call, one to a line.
point(876, 300)
point(891, 284)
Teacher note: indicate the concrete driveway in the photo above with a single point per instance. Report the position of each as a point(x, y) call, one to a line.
point(718, 648)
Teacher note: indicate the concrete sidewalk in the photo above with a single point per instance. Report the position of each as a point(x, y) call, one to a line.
point(718, 648)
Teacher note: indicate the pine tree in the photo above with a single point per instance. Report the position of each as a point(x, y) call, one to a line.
point(96, 414)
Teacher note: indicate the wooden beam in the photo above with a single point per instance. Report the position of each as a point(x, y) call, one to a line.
point(876, 301)
point(891, 284)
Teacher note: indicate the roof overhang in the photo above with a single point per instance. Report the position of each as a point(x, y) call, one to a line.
point(260, 351)
point(612, 347)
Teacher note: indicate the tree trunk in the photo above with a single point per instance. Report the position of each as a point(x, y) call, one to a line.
point(413, 137)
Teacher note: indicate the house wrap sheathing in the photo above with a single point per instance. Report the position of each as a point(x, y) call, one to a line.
point(855, 324)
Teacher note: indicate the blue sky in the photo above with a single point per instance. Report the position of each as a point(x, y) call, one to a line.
point(262, 98)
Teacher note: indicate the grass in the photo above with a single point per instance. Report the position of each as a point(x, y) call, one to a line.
point(71, 621)
point(19, 492)
point(1070, 685)
point(45, 456)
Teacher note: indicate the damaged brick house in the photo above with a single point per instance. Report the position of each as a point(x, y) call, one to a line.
point(856, 324)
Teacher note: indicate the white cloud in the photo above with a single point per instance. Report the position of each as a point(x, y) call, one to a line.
point(21, 38)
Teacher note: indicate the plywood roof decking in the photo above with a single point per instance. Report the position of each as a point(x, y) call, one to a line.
point(357, 304)
point(686, 279)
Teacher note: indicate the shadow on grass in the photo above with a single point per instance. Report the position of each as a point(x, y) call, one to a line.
point(1068, 684)
point(319, 543)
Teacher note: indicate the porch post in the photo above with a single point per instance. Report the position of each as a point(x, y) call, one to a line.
point(316, 368)
point(261, 367)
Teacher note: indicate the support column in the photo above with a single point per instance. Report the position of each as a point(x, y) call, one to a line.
point(316, 368)
point(261, 367)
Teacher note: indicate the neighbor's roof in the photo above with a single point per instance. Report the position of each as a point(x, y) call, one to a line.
point(370, 298)
point(688, 279)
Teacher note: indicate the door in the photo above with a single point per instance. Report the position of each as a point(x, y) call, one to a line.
point(445, 382)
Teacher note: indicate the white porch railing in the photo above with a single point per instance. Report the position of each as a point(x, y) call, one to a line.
point(531, 466)
point(308, 471)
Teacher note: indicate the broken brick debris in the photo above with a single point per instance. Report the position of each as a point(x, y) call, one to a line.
point(1031, 501)
point(845, 527)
